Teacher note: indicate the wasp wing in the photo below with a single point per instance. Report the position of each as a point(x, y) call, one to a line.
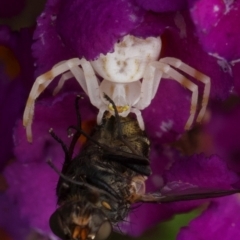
point(186, 192)
point(132, 161)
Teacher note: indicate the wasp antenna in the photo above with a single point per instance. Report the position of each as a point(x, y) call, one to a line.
point(82, 184)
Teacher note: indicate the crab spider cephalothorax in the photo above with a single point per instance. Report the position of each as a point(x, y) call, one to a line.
point(131, 75)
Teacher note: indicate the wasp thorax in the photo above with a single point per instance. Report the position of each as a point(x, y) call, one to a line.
point(80, 221)
point(129, 59)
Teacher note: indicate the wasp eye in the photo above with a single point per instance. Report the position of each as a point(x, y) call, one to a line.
point(56, 226)
point(104, 231)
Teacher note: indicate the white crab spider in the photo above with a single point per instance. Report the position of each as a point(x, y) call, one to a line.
point(131, 75)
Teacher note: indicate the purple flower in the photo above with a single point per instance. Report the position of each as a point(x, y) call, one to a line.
point(220, 219)
point(218, 33)
point(16, 73)
point(216, 26)
point(206, 39)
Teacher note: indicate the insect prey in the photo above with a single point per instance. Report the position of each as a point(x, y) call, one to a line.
point(97, 188)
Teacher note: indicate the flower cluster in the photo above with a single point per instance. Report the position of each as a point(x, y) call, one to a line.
point(202, 33)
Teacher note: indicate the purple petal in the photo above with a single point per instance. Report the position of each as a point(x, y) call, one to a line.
point(11, 220)
point(217, 28)
point(183, 44)
point(153, 24)
point(76, 17)
point(199, 170)
point(58, 114)
point(144, 217)
point(236, 76)
point(163, 120)
point(220, 221)
point(32, 188)
point(64, 30)
point(75, 28)
point(162, 158)
point(224, 131)
point(163, 6)
point(167, 115)
point(48, 48)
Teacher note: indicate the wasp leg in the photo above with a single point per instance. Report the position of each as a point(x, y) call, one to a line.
point(98, 183)
point(59, 140)
point(77, 133)
point(82, 184)
point(69, 151)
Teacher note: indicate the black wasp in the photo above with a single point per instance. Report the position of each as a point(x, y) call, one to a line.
point(97, 188)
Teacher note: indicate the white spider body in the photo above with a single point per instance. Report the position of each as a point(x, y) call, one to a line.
point(129, 60)
point(131, 76)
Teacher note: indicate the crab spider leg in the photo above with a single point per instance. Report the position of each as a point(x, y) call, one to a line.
point(66, 76)
point(197, 75)
point(173, 74)
point(37, 89)
point(150, 83)
point(79, 75)
point(75, 71)
point(139, 117)
point(101, 112)
point(86, 79)
point(91, 82)
point(41, 83)
point(39, 86)
point(30, 112)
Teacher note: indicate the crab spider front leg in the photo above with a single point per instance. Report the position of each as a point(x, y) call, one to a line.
point(39, 86)
point(85, 77)
point(150, 82)
point(92, 83)
point(44, 80)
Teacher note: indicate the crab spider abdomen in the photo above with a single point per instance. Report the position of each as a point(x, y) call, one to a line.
point(129, 60)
